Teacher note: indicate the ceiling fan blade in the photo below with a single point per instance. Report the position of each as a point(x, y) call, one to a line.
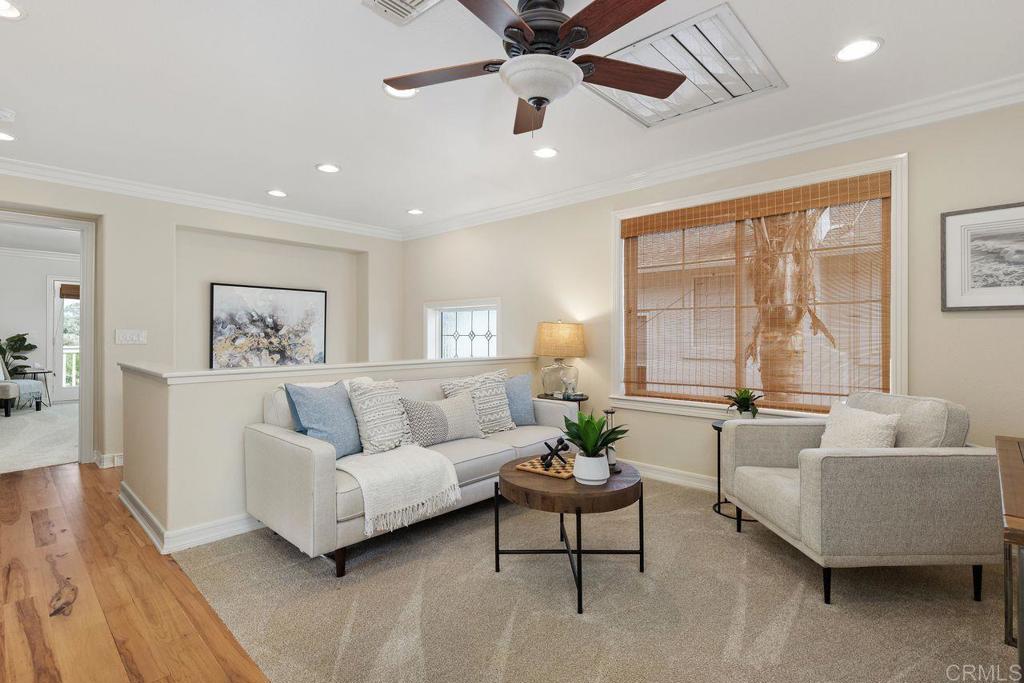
point(601, 17)
point(449, 73)
point(499, 16)
point(528, 119)
point(631, 77)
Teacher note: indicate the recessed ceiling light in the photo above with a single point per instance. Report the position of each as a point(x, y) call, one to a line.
point(859, 49)
point(400, 94)
point(328, 168)
point(545, 153)
point(9, 11)
point(415, 212)
point(280, 194)
point(6, 137)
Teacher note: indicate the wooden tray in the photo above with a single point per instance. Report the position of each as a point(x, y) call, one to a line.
point(558, 470)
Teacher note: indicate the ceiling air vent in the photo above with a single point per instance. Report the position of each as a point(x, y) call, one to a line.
point(400, 12)
point(721, 61)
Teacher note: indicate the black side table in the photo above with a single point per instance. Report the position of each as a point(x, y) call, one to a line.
point(578, 399)
point(717, 507)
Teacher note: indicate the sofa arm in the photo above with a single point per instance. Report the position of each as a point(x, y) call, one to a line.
point(290, 485)
point(766, 442)
point(551, 413)
point(870, 502)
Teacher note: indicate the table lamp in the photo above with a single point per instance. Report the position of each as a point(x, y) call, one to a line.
point(560, 341)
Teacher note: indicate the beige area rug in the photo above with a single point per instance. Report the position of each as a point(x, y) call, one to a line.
point(30, 439)
point(424, 604)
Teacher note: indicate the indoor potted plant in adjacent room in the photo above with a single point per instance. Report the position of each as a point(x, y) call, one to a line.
point(744, 401)
point(13, 349)
point(592, 437)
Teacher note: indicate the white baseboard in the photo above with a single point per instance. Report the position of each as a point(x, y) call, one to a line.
point(105, 460)
point(179, 539)
point(674, 476)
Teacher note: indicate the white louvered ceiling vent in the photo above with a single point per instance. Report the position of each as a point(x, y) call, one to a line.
point(400, 12)
point(721, 61)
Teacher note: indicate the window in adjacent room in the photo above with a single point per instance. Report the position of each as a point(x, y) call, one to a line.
point(787, 293)
point(462, 329)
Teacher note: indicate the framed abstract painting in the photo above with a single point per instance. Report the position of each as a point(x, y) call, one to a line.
point(252, 327)
point(983, 258)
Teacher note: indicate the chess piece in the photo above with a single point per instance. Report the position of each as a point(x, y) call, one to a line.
point(554, 452)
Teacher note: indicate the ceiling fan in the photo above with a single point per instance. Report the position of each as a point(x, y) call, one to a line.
point(540, 41)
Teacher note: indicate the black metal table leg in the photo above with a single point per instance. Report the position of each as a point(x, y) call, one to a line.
point(561, 526)
point(497, 552)
point(719, 500)
point(579, 562)
point(1020, 605)
point(1008, 596)
point(641, 527)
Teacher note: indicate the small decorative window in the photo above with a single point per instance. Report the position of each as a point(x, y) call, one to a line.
point(462, 331)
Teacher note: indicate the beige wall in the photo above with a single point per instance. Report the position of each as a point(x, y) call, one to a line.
point(136, 277)
point(970, 357)
point(203, 257)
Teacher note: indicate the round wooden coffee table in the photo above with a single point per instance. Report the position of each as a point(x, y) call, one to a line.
point(549, 494)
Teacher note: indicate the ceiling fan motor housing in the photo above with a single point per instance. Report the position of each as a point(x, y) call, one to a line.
point(540, 79)
point(545, 17)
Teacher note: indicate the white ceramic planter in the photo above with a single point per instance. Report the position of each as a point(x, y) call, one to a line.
point(590, 471)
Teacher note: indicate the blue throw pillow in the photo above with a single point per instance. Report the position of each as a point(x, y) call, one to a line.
point(325, 413)
point(520, 400)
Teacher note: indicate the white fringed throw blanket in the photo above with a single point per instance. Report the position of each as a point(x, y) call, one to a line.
point(402, 486)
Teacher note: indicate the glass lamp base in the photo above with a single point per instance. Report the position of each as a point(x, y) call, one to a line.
point(559, 379)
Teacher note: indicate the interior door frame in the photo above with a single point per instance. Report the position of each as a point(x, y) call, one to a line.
point(87, 385)
point(52, 297)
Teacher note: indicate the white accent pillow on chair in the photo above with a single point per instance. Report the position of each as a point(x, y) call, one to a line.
point(853, 428)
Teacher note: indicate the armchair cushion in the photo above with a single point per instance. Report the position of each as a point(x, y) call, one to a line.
point(923, 422)
point(766, 442)
point(773, 492)
point(848, 427)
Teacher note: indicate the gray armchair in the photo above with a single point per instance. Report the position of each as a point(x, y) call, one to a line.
point(929, 500)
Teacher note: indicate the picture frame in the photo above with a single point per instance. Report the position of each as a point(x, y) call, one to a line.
point(982, 258)
point(266, 326)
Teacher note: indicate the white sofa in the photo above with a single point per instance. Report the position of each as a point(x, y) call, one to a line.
point(292, 486)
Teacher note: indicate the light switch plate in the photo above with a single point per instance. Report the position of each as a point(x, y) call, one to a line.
point(129, 336)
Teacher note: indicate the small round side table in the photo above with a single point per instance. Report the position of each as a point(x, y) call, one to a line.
point(717, 507)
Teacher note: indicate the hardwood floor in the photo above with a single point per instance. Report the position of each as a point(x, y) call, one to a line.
point(85, 595)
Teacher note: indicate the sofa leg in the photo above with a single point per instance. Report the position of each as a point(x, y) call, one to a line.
point(339, 562)
point(739, 519)
point(976, 571)
point(826, 584)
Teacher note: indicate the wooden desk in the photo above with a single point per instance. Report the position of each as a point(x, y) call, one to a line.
point(1010, 451)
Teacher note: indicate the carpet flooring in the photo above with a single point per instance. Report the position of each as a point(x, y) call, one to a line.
point(424, 604)
point(30, 439)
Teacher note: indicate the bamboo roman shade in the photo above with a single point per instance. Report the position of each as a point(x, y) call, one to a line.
point(68, 291)
point(785, 292)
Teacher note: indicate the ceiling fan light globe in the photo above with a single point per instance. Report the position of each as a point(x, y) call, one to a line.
point(540, 77)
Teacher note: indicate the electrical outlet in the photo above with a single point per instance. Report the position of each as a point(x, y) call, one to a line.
point(129, 336)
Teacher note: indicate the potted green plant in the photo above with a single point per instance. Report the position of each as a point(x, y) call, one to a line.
point(744, 401)
point(14, 349)
point(592, 437)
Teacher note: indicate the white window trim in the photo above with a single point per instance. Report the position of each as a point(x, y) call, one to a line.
point(430, 331)
point(898, 311)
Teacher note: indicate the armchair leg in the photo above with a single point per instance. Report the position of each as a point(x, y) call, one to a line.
point(7, 406)
point(339, 562)
point(976, 571)
point(826, 584)
point(739, 519)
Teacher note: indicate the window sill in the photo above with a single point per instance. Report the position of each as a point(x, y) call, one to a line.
point(709, 411)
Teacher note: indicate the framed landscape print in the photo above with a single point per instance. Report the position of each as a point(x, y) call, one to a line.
point(252, 327)
point(983, 258)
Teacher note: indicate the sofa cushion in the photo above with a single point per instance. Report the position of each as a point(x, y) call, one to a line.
point(349, 497)
point(489, 397)
point(325, 413)
point(383, 424)
point(771, 493)
point(475, 459)
point(434, 422)
point(528, 441)
point(923, 423)
point(848, 427)
point(520, 400)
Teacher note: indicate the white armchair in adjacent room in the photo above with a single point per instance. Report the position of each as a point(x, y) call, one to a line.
point(929, 500)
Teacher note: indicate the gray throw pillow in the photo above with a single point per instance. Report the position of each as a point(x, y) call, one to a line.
point(520, 400)
point(489, 399)
point(848, 427)
point(325, 413)
point(383, 424)
point(434, 422)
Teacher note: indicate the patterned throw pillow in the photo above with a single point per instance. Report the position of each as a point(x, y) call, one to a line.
point(383, 424)
point(439, 421)
point(489, 399)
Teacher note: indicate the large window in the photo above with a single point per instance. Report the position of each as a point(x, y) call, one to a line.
point(462, 330)
point(785, 292)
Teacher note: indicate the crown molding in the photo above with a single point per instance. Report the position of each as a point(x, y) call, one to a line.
point(36, 253)
point(131, 188)
point(991, 95)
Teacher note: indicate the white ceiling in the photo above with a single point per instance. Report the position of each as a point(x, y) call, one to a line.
point(233, 97)
point(34, 238)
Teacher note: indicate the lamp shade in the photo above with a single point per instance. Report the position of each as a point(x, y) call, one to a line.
point(560, 340)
